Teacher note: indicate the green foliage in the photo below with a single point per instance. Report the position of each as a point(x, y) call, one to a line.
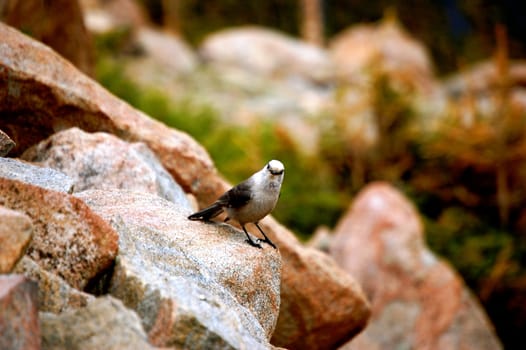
point(356, 161)
point(185, 115)
point(469, 243)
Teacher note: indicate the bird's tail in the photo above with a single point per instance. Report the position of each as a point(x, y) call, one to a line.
point(207, 213)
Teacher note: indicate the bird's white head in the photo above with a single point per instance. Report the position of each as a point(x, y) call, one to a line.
point(275, 167)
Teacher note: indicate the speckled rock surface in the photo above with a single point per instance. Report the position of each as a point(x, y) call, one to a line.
point(88, 328)
point(35, 175)
point(54, 293)
point(181, 275)
point(68, 238)
point(103, 161)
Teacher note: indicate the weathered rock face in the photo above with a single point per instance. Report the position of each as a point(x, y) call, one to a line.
point(418, 301)
point(191, 283)
point(103, 161)
point(87, 328)
point(56, 23)
point(68, 238)
point(15, 235)
point(54, 294)
point(19, 326)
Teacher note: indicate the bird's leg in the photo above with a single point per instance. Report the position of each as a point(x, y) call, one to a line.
point(250, 241)
point(267, 240)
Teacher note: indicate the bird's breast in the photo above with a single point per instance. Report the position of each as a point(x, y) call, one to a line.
point(259, 206)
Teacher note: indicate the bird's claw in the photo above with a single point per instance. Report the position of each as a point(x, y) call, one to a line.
point(269, 242)
point(254, 243)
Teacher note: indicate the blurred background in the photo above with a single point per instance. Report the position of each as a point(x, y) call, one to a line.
point(427, 95)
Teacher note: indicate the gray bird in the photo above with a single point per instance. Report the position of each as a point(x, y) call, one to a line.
point(250, 200)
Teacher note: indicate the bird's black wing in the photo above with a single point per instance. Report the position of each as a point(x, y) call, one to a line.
point(237, 196)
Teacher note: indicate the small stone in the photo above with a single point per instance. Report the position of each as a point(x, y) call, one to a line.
point(15, 234)
point(6, 144)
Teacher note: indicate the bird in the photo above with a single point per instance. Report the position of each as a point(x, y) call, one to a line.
point(249, 201)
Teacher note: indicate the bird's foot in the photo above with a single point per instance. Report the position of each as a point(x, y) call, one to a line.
point(266, 240)
point(254, 243)
point(269, 242)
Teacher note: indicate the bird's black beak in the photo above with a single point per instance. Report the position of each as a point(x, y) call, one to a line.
point(276, 172)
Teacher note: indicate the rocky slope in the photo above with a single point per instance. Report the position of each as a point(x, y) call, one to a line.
point(113, 227)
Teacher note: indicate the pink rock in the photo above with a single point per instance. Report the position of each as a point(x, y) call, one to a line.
point(321, 307)
point(418, 301)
